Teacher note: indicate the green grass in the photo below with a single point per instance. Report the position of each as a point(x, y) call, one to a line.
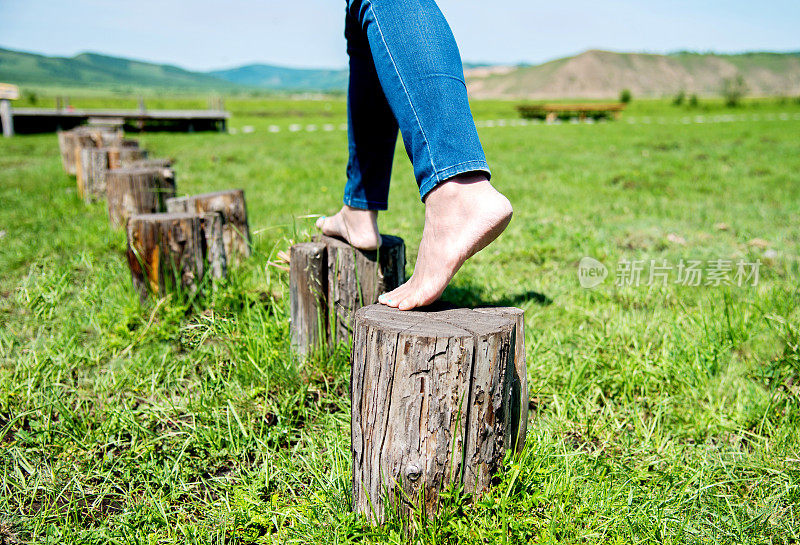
point(661, 414)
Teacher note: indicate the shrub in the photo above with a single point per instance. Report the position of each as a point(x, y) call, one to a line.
point(694, 102)
point(733, 90)
point(30, 97)
point(625, 96)
point(679, 98)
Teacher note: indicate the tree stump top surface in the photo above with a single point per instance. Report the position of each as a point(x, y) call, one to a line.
point(215, 194)
point(388, 241)
point(165, 216)
point(438, 320)
point(136, 170)
point(309, 245)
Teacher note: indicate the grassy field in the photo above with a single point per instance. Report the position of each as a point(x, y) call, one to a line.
point(659, 413)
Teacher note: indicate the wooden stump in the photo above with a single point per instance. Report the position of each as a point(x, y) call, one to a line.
point(146, 163)
point(95, 164)
point(518, 429)
point(231, 204)
point(357, 277)
point(349, 279)
point(67, 149)
point(212, 226)
point(432, 404)
point(90, 138)
point(71, 142)
point(308, 284)
point(173, 252)
point(132, 191)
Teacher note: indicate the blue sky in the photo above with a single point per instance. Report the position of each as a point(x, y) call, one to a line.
point(203, 34)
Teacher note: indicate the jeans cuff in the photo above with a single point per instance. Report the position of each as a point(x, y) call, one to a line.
point(363, 204)
point(445, 174)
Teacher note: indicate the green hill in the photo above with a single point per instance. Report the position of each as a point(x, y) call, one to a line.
point(92, 69)
point(281, 78)
point(592, 74)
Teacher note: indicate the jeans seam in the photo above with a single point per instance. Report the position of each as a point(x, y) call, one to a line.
point(480, 161)
point(441, 75)
point(405, 89)
point(350, 201)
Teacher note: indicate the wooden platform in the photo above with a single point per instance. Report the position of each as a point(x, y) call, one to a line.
point(36, 120)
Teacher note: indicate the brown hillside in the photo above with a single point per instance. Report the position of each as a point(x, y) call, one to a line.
point(602, 74)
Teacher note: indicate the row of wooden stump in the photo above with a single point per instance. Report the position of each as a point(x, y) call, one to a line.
point(174, 243)
point(438, 395)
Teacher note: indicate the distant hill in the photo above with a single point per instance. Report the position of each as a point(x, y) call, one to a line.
point(592, 74)
point(282, 78)
point(603, 74)
point(92, 69)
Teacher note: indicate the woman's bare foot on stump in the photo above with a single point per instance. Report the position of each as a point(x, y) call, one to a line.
point(358, 227)
point(462, 216)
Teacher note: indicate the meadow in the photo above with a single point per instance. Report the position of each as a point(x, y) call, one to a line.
point(660, 411)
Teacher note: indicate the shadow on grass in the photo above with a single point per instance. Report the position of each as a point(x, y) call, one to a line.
point(468, 294)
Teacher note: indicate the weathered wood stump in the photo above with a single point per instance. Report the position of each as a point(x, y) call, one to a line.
point(91, 138)
point(330, 279)
point(146, 163)
point(71, 142)
point(174, 252)
point(432, 404)
point(95, 164)
point(357, 277)
point(232, 206)
point(519, 377)
point(132, 191)
point(308, 284)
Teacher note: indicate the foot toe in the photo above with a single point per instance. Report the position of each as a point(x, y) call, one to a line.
point(407, 304)
point(394, 297)
point(390, 303)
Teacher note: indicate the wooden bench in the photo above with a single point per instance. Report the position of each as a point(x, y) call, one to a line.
point(551, 112)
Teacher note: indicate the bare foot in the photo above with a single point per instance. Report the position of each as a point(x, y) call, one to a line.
point(462, 216)
point(358, 227)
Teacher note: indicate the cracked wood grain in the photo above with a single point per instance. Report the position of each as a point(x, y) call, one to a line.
point(233, 208)
point(432, 404)
point(168, 252)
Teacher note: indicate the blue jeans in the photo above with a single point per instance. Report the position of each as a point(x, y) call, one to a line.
point(406, 74)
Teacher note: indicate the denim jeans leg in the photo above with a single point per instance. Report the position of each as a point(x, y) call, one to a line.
point(371, 127)
point(419, 67)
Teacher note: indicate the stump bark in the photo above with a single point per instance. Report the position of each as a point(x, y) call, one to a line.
point(132, 191)
point(231, 204)
point(518, 429)
point(95, 164)
point(71, 142)
point(308, 284)
point(174, 252)
point(357, 277)
point(432, 404)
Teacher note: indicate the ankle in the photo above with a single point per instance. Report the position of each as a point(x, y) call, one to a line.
point(351, 212)
point(454, 187)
